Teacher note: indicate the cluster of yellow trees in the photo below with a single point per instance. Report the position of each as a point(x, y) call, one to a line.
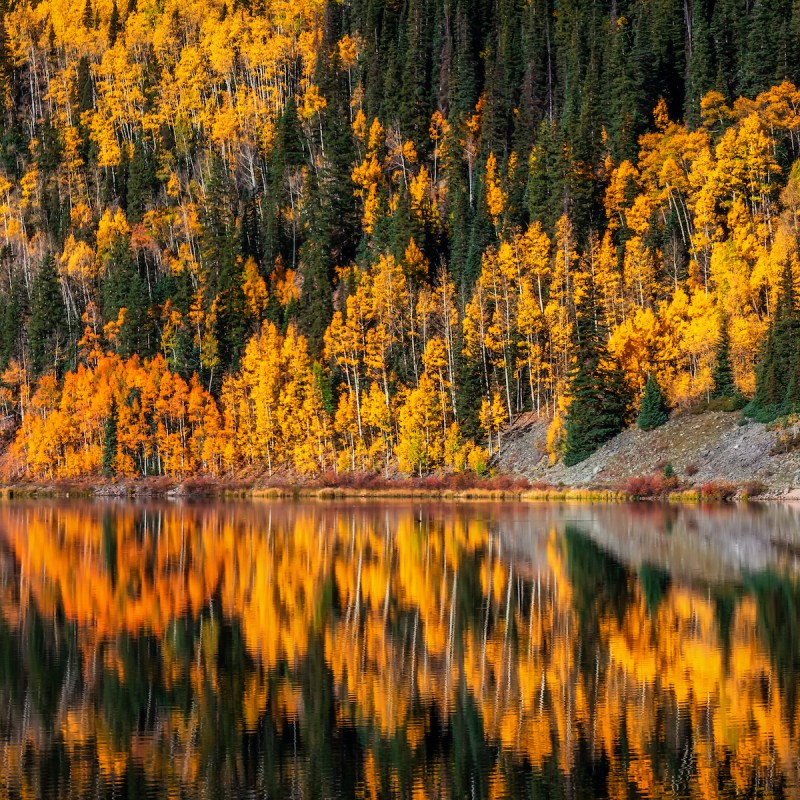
point(272, 415)
point(398, 646)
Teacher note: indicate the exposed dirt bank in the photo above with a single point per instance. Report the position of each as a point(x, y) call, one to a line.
point(713, 447)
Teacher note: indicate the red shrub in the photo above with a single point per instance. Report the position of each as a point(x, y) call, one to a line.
point(644, 486)
point(717, 492)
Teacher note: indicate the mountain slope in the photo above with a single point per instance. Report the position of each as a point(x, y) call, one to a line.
point(701, 448)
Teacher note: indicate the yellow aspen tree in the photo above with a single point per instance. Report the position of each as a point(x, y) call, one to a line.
point(436, 365)
point(378, 419)
point(495, 197)
point(420, 441)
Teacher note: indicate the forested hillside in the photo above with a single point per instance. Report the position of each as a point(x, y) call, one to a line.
point(309, 235)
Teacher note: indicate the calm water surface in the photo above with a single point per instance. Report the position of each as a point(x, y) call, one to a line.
point(363, 650)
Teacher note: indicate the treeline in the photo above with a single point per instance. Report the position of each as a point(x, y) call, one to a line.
point(456, 211)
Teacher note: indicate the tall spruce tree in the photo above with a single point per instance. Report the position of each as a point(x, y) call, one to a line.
point(599, 399)
point(141, 183)
point(113, 24)
point(47, 329)
point(724, 383)
point(653, 411)
point(220, 241)
point(110, 442)
point(778, 364)
point(11, 323)
point(124, 287)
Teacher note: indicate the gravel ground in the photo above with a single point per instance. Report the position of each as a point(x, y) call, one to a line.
point(714, 446)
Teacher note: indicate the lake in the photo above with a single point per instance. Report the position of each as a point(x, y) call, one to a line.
point(402, 649)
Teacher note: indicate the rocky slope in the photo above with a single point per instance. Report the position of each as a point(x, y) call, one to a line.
point(713, 446)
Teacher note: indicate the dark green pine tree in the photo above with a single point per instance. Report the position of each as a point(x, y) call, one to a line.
point(331, 214)
point(729, 23)
point(83, 85)
point(701, 73)
point(124, 287)
point(414, 102)
point(142, 183)
point(791, 399)
point(779, 356)
point(113, 25)
point(470, 389)
point(110, 442)
point(11, 322)
point(724, 383)
point(220, 240)
point(764, 48)
point(285, 160)
point(88, 15)
point(47, 329)
point(600, 402)
point(626, 98)
point(546, 178)
point(653, 410)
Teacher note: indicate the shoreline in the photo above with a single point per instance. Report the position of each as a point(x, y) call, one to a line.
point(449, 488)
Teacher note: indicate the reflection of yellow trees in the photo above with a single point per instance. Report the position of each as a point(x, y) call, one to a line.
point(414, 610)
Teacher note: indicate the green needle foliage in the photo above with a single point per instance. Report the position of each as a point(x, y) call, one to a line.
point(110, 443)
point(653, 411)
point(778, 374)
point(724, 383)
point(598, 410)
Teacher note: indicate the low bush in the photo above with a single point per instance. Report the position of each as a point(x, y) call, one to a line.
point(717, 492)
point(641, 486)
point(691, 470)
point(753, 489)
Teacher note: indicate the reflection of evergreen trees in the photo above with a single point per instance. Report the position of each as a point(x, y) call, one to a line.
point(654, 582)
point(601, 585)
point(778, 601)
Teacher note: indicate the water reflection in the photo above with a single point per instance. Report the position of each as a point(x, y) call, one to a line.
point(414, 650)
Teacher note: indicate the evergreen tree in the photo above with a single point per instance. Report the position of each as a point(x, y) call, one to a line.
point(546, 178)
point(598, 408)
point(221, 257)
point(113, 25)
point(47, 329)
point(141, 184)
point(331, 214)
point(778, 364)
point(11, 323)
point(470, 391)
point(724, 383)
point(653, 410)
point(124, 287)
point(83, 85)
point(110, 442)
point(701, 71)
